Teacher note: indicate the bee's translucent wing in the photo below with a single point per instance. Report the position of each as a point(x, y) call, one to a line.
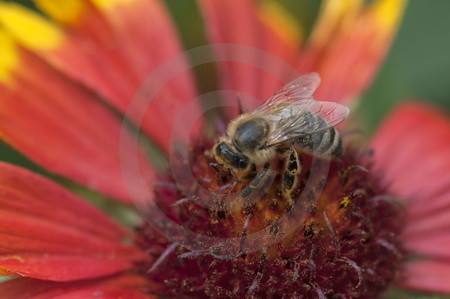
point(301, 88)
point(295, 113)
point(302, 117)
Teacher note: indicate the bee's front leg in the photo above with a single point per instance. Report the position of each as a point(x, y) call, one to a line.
point(261, 180)
point(290, 176)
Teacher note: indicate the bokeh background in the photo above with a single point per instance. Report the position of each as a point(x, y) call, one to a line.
point(417, 67)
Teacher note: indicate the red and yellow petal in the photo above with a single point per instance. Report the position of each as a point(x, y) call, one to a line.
point(412, 151)
point(48, 233)
point(112, 47)
point(122, 286)
point(62, 126)
point(256, 43)
point(348, 45)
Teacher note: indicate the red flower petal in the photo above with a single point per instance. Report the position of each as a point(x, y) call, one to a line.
point(432, 244)
point(431, 276)
point(247, 35)
point(113, 46)
point(349, 38)
point(48, 233)
point(412, 149)
point(63, 127)
point(425, 227)
point(124, 286)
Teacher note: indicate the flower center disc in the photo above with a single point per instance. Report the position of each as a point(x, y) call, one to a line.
point(338, 234)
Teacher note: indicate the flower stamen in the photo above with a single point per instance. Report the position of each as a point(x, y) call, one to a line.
point(163, 256)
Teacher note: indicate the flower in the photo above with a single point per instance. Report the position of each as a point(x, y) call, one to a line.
point(64, 81)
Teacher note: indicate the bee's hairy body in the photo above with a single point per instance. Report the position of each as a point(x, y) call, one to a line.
point(246, 136)
point(289, 119)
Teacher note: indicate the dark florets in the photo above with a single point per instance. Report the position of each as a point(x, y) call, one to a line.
point(339, 240)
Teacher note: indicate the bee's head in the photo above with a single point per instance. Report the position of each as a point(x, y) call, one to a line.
point(229, 156)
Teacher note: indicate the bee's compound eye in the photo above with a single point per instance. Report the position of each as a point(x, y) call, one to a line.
point(230, 157)
point(222, 149)
point(242, 163)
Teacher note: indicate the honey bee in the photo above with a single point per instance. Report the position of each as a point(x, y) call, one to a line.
point(290, 119)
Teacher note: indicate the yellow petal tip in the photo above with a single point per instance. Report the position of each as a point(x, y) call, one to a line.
point(280, 21)
point(388, 13)
point(65, 12)
point(27, 27)
point(105, 4)
point(334, 15)
point(8, 59)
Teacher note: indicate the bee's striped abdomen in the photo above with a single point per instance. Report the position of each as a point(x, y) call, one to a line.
point(330, 144)
point(326, 143)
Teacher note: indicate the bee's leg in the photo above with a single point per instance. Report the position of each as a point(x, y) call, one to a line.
point(291, 170)
point(236, 179)
point(215, 167)
point(259, 181)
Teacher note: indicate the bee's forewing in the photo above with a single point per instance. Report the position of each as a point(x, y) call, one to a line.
point(295, 113)
point(333, 113)
point(300, 88)
point(304, 117)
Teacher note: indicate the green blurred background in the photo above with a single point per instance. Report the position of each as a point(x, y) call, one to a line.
point(417, 67)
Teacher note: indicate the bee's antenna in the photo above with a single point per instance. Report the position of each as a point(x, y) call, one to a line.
point(216, 166)
point(241, 108)
point(221, 127)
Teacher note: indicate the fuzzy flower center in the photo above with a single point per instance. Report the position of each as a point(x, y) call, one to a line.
point(336, 234)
